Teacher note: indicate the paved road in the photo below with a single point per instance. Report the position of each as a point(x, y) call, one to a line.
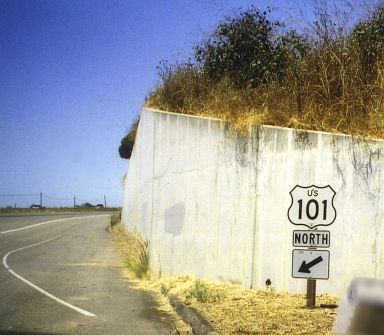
point(69, 273)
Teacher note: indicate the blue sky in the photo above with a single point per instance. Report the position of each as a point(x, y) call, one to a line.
point(73, 76)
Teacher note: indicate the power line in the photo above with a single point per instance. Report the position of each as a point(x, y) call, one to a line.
point(55, 198)
point(51, 199)
point(19, 195)
point(87, 200)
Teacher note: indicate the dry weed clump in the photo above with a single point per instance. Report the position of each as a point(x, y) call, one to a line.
point(134, 250)
point(115, 218)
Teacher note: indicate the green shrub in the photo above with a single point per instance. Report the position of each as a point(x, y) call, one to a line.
point(203, 293)
point(128, 141)
point(242, 48)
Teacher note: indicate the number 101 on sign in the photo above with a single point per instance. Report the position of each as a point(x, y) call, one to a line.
point(312, 206)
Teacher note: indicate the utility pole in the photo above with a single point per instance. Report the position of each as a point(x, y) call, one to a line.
point(74, 202)
point(105, 202)
point(41, 199)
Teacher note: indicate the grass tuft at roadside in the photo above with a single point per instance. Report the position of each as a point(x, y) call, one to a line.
point(115, 219)
point(133, 248)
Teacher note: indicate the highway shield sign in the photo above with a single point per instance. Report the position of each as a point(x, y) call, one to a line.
point(312, 206)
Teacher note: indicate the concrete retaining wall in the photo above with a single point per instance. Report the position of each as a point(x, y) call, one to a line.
point(215, 205)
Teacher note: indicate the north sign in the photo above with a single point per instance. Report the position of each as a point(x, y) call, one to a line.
point(310, 264)
point(312, 206)
point(311, 238)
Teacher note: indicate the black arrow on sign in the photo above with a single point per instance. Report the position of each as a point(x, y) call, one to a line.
point(305, 267)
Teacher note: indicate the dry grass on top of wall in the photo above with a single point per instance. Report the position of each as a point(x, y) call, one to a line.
point(337, 85)
point(275, 105)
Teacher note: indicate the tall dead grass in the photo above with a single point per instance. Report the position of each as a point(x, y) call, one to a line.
point(134, 250)
point(328, 98)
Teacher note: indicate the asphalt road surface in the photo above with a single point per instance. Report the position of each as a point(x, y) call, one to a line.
point(61, 274)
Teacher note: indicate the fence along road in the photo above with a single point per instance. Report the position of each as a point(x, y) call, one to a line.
point(62, 274)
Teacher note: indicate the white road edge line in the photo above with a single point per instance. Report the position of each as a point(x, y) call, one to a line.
point(75, 308)
point(57, 220)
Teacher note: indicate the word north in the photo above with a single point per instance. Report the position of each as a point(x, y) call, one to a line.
point(311, 238)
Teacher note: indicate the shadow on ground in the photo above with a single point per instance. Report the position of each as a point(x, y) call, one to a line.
point(18, 332)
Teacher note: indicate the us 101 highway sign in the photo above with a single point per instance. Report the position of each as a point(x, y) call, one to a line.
point(310, 264)
point(312, 206)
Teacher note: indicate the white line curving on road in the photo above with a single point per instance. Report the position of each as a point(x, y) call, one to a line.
point(51, 221)
point(37, 288)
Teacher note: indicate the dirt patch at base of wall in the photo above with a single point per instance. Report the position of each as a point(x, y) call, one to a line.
point(232, 309)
